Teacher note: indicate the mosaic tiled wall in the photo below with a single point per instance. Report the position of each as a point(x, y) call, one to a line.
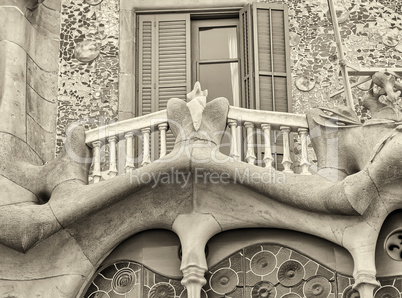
point(257, 271)
point(88, 63)
point(370, 31)
point(88, 79)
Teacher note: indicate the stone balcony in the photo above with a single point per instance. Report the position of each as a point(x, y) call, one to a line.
point(197, 191)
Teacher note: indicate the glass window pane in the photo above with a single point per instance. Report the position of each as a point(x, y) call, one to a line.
point(221, 79)
point(218, 43)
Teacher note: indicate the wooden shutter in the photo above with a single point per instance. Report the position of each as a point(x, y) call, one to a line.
point(164, 54)
point(265, 72)
point(265, 54)
point(247, 65)
point(164, 63)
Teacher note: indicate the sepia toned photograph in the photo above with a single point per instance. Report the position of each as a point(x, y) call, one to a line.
point(201, 149)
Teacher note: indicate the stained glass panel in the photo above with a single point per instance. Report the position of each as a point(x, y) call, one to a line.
point(258, 271)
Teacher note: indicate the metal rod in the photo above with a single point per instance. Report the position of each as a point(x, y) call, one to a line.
point(353, 85)
point(345, 76)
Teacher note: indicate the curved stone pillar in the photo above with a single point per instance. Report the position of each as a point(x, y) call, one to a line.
point(194, 231)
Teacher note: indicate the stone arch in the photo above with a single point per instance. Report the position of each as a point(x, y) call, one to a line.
point(151, 252)
point(149, 262)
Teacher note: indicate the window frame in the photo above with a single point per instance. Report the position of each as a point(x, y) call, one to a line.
point(222, 13)
point(219, 15)
point(195, 58)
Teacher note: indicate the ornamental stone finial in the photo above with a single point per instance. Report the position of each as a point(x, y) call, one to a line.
point(196, 92)
point(197, 102)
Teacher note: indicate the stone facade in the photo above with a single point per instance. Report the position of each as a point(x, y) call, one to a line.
point(334, 234)
point(364, 29)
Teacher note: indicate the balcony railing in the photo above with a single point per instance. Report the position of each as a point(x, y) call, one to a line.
point(141, 128)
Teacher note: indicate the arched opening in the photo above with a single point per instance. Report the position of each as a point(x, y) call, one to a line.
point(143, 265)
point(242, 263)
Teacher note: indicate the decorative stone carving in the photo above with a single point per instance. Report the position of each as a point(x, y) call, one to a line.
point(290, 273)
point(224, 281)
point(349, 292)
point(291, 295)
point(317, 287)
point(196, 105)
point(393, 245)
point(390, 38)
point(93, 2)
point(263, 263)
point(123, 281)
point(263, 289)
point(162, 290)
point(384, 86)
point(184, 294)
point(87, 50)
point(387, 292)
point(305, 83)
point(294, 39)
point(117, 279)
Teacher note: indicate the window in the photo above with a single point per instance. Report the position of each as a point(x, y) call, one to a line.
point(242, 56)
point(175, 50)
point(265, 55)
point(215, 58)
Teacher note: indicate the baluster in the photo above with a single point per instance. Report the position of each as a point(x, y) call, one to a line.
point(162, 131)
point(304, 160)
point(129, 152)
point(287, 162)
point(96, 155)
point(146, 151)
point(250, 156)
point(268, 159)
point(234, 152)
point(112, 156)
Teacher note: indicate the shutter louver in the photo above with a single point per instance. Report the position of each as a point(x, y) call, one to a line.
point(247, 72)
point(264, 40)
point(281, 98)
point(266, 71)
point(265, 53)
point(145, 67)
point(173, 62)
point(164, 63)
point(278, 41)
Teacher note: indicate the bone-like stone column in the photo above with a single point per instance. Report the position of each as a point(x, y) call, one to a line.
point(112, 156)
point(96, 160)
point(234, 152)
point(268, 160)
point(365, 284)
point(287, 161)
point(129, 152)
point(304, 160)
point(162, 130)
point(250, 157)
point(194, 231)
point(146, 149)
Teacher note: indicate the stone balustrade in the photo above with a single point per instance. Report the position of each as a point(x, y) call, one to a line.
point(127, 130)
point(284, 125)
